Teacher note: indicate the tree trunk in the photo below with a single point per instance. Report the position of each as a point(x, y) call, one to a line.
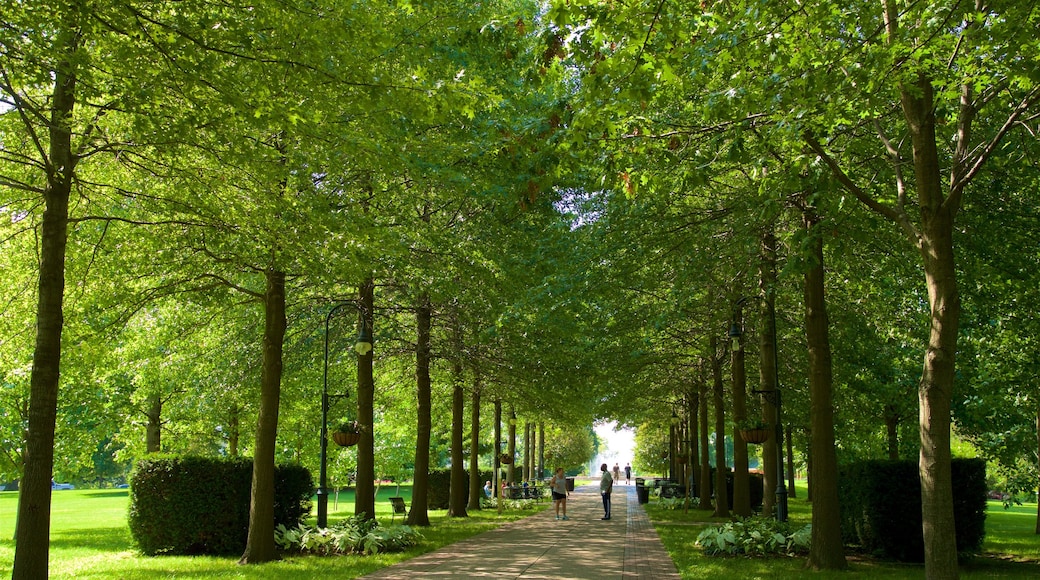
point(418, 514)
point(741, 479)
point(260, 546)
point(718, 397)
point(892, 431)
point(1038, 455)
point(704, 488)
point(233, 430)
point(496, 462)
point(34, 498)
point(693, 428)
point(475, 485)
point(365, 486)
point(826, 551)
point(153, 430)
point(791, 490)
point(541, 451)
point(457, 494)
point(767, 363)
point(511, 448)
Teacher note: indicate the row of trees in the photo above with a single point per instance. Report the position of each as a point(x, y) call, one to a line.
point(561, 208)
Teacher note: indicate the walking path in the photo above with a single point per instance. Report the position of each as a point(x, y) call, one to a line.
point(584, 546)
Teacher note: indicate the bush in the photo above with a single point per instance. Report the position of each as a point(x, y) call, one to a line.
point(439, 492)
point(197, 505)
point(754, 536)
point(881, 507)
point(355, 535)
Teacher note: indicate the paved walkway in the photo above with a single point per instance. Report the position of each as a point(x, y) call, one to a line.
point(583, 547)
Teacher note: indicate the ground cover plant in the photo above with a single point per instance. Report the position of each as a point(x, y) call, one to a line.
point(90, 539)
point(1011, 548)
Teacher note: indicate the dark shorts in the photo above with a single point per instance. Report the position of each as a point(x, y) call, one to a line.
point(557, 496)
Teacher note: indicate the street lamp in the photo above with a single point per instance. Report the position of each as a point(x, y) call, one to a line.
point(362, 346)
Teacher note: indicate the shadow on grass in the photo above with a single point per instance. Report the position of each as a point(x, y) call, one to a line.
point(99, 539)
point(108, 493)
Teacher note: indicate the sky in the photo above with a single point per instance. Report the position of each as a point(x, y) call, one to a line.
point(617, 446)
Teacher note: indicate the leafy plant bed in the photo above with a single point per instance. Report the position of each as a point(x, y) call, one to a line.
point(755, 536)
point(351, 536)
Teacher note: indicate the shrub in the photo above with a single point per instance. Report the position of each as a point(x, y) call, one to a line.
point(196, 505)
point(881, 507)
point(439, 491)
point(354, 535)
point(754, 536)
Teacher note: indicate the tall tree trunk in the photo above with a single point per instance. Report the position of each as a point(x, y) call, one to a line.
point(153, 430)
point(511, 448)
point(741, 479)
point(528, 452)
point(1038, 456)
point(365, 483)
point(234, 430)
point(496, 461)
point(791, 490)
point(826, 551)
point(767, 363)
point(476, 487)
point(719, 400)
point(457, 493)
point(541, 451)
point(704, 481)
point(34, 498)
point(418, 514)
point(260, 545)
point(692, 413)
point(892, 431)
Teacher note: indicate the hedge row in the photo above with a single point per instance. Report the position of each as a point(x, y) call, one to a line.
point(197, 505)
point(881, 507)
point(440, 487)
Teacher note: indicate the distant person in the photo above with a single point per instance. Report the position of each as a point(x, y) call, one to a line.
point(606, 484)
point(487, 489)
point(617, 472)
point(628, 474)
point(558, 485)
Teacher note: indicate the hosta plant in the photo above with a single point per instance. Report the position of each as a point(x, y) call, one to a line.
point(354, 535)
point(754, 536)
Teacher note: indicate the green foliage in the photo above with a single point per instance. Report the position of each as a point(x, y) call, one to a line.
point(194, 505)
point(354, 535)
point(881, 507)
point(755, 536)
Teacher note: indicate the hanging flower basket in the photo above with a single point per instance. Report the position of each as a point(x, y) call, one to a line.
point(757, 435)
point(347, 435)
point(505, 459)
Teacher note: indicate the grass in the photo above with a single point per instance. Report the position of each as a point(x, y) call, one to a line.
point(90, 539)
point(1011, 549)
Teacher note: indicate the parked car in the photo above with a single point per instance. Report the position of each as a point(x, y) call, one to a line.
point(62, 486)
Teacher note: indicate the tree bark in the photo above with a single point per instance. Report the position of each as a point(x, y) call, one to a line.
point(365, 486)
point(32, 529)
point(741, 479)
point(541, 451)
point(457, 491)
point(418, 514)
point(153, 430)
point(892, 431)
point(511, 448)
point(826, 551)
point(475, 485)
point(693, 428)
point(704, 480)
point(767, 363)
point(260, 546)
point(496, 462)
point(719, 399)
point(1038, 455)
point(791, 490)
point(233, 430)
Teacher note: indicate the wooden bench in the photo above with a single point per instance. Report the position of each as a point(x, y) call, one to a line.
point(399, 508)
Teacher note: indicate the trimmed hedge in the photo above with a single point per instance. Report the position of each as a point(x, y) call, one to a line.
point(200, 505)
point(881, 507)
point(439, 494)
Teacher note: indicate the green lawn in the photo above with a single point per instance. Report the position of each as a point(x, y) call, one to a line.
point(1011, 549)
point(90, 539)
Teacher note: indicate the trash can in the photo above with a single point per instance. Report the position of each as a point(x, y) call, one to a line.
point(642, 492)
point(570, 484)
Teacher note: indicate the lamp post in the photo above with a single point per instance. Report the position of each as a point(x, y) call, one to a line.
point(362, 346)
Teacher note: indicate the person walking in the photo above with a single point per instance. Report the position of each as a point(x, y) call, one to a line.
point(628, 474)
point(617, 472)
point(558, 485)
point(606, 484)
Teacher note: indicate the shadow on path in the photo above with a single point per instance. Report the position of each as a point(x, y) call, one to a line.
point(583, 547)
